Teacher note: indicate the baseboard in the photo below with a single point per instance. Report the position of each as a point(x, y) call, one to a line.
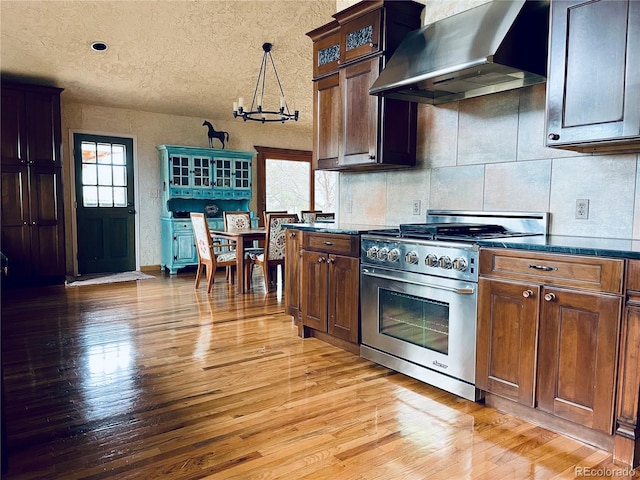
point(151, 268)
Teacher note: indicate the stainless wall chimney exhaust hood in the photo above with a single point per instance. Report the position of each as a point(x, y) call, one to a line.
point(494, 47)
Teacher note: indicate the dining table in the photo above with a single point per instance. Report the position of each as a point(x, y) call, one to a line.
point(241, 237)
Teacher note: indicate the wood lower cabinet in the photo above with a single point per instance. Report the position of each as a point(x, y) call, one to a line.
point(32, 212)
point(627, 440)
point(577, 351)
point(548, 333)
point(507, 338)
point(329, 286)
point(292, 274)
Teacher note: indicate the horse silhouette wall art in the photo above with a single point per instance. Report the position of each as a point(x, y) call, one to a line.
point(213, 133)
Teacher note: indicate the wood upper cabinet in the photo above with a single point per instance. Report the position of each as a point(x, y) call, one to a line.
point(327, 120)
point(32, 199)
point(507, 337)
point(360, 35)
point(31, 125)
point(594, 64)
point(329, 286)
point(548, 331)
point(355, 131)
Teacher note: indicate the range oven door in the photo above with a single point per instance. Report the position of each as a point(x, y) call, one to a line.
point(424, 321)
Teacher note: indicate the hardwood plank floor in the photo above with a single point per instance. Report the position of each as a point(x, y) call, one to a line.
point(153, 379)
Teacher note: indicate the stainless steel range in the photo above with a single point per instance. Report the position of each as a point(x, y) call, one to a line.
point(419, 292)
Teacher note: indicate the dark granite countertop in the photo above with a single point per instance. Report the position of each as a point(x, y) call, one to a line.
point(343, 228)
point(601, 247)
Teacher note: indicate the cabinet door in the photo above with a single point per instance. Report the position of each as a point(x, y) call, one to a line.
point(506, 339)
point(360, 113)
point(360, 37)
point(314, 289)
point(241, 177)
point(202, 171)
point(343, 297)
point(16, 240)
point(14, 139)
point(46, 221)
point(327, 107)
point(180, 176)
point(184, 248)
point(43, 123)
point(292, 280)
point(577, 356)
point(592, 89)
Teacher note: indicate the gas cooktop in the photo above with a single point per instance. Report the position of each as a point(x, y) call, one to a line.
point(468, 226)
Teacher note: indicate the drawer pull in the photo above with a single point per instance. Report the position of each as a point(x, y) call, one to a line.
point(543, 268)
point(549, 297)
point(328, 243)
point(527, 293)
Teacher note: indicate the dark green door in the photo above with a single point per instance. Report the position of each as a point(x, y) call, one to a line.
point(105, 210)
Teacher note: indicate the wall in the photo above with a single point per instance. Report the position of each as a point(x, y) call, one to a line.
point(487, 153)
point(149, 130)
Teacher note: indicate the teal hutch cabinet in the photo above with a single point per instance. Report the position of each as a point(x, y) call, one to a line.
point(196, 179)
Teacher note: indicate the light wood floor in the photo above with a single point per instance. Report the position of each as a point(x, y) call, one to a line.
point(153, 380)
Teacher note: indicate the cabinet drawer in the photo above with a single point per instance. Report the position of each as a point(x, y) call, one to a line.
point(348, 245)
point(588, 273)
point(633, 275)
point(185, 225)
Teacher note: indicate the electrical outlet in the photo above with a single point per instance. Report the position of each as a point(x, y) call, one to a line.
point(349, 205)
point(416, 207)
point(582, 208)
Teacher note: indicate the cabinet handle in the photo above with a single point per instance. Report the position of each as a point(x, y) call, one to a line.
point(527, 293)
point(33, 223)
point(292, 234)
point(553, 136)
point(373, 45)
point(543, 268)
point(331, 260)
point(372, 157)
point(321, 260)
point(328, 243)
point(549, 297)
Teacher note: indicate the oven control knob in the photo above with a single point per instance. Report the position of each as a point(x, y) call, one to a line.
point(382, 253)
point(372, 252)
point(431, 260)
point(394, 255)
point(445, 262)
point(411, 258)
point(460, 264)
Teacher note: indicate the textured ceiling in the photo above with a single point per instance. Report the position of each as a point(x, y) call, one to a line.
point(179, 57)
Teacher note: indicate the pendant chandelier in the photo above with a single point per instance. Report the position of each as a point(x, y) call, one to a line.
point(257, 112)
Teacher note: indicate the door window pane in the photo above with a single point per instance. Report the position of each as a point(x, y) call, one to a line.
point(102, 184)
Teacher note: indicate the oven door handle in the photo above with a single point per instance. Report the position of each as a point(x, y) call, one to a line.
point(464, 290)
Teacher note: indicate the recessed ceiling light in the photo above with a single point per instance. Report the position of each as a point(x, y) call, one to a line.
point(99, 46)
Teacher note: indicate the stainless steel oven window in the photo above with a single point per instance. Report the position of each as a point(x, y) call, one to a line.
point(413, 319)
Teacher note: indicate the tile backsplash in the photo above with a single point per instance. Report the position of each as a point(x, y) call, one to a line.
point(488, 153)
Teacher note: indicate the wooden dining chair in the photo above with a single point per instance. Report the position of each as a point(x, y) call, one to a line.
point(208, 260)
point(325, 216)
point(309, 216)
point(267, 212)
point(241, 220)
point(274, 244)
